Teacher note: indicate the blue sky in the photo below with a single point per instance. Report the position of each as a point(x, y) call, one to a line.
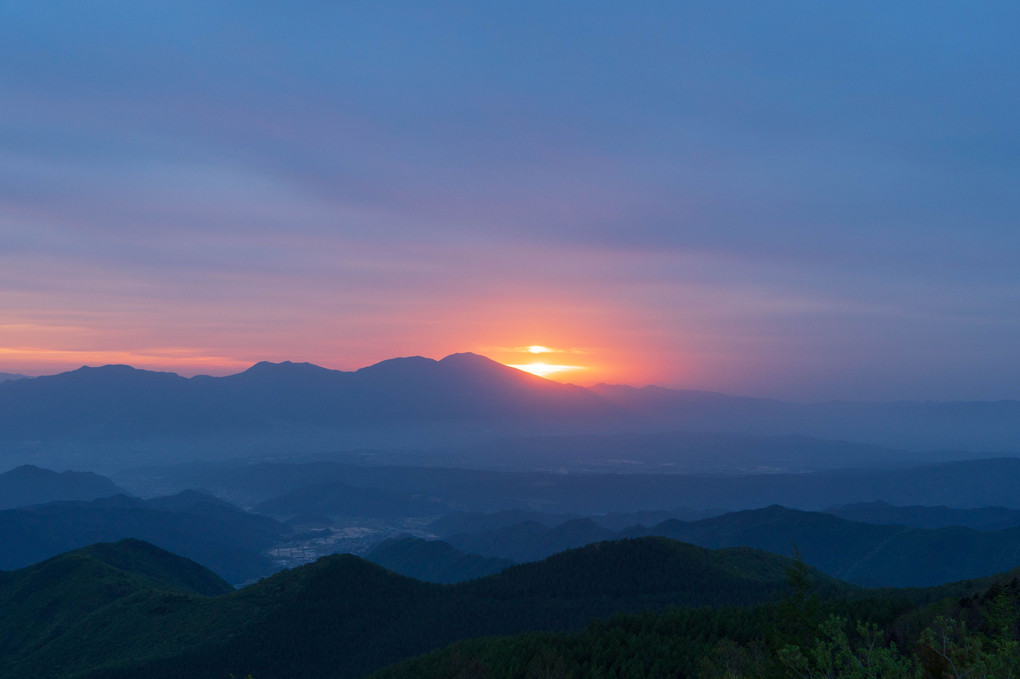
point(803, 200)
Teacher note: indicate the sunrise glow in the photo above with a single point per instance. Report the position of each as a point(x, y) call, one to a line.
point(539, 349)
point(545, 369)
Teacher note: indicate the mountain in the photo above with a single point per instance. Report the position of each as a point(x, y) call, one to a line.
point(4, 377)
point(974, 623)
point(981, 518)
point(465, 407)
point(862, 553)
point(220, 536)
point(651, 567)
point(531, 541)
point(287, 405)
point(466, 522)
point(342, 616)
point(433, 560)
point(865, 554)
point(80, 608)
point(680, 452)
point(961, 484)
point(30, 485)
point(988, 426)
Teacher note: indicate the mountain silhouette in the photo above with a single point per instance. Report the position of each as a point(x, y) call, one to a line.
point(420, 403)
point(31, 485)
point(122, 403)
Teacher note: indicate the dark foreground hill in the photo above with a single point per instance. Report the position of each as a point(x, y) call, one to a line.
point(82, 608)
point(30, 485)
point(218, 535)
point(338, 617)
point(883, 635)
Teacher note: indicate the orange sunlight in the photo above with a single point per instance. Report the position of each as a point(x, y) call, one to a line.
point(175, 359)
point(544, 369)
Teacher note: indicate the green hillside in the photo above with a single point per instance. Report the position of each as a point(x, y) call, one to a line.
point(104, 601)
point(342, 616)
point(960, 630)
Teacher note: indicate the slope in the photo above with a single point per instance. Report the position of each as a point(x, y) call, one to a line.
point(84, 606)
point(218, 535)
point(342, 616)
point(31, 485)
point(862, 553)
point(433, 560)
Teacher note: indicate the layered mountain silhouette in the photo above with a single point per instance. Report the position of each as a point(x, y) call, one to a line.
point(972, 484)
point(919, 516)
point(120, 403)
point(463, 398)
point(31, 485)
point(911, 425)
point(874, 555)
point(218, 535)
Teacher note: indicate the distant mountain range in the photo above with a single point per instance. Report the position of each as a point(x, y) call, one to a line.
point(468, 400)
point(977, 483)
point(4, 377)
point(30, 485)
point(979, 518)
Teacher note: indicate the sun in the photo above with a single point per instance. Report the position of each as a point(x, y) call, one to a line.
point(532, 353)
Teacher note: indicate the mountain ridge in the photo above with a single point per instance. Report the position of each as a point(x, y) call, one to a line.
point(421, 402)
point(32, 485)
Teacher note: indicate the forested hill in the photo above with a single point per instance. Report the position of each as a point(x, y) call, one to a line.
point(87, 606)
point(343, 616)
point(970, 631)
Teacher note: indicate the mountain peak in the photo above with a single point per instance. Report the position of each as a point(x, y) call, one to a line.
point(282, 366)
point(468, 358)
point(468, 362)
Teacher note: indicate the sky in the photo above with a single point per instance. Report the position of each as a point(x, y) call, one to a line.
point(799, 200)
